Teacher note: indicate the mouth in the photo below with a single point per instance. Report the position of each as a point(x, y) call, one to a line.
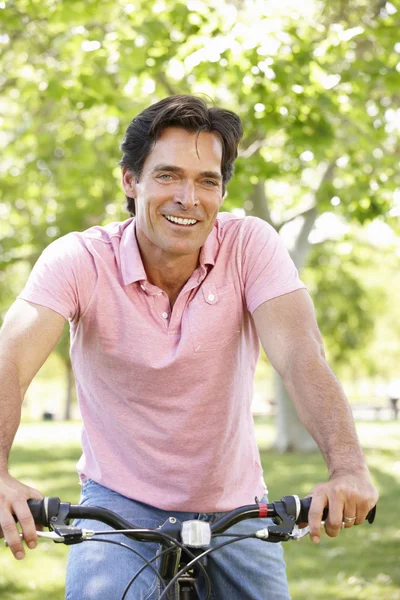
point(180, 222)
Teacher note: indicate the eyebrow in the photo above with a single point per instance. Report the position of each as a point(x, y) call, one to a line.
point(179, 171)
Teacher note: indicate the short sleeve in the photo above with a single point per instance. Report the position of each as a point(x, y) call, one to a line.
point(63, 278)
point(267, 268)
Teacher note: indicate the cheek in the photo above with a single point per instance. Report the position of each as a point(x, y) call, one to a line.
point(151, 214)
point(214, 205)
point(143, 216)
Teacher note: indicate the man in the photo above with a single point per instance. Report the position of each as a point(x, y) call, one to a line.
point(166, 312)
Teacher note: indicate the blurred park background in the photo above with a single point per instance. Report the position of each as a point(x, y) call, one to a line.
point(317, 85)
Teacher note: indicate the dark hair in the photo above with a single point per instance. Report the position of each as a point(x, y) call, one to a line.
point(190, 113)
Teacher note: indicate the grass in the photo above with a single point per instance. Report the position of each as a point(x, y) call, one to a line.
point(361, 564)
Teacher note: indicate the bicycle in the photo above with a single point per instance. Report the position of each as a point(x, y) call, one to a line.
point(183, 544)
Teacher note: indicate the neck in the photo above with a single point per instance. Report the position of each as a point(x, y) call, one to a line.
point(169, 275)
point(168, 272)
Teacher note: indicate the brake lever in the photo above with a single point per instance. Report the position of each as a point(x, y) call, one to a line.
point(51, 535)
point(58, 539)
point(297, 533)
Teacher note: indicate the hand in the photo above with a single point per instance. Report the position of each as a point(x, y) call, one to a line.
point(13, 501)
point(346, 495)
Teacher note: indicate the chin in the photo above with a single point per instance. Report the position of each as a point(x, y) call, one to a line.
point(182, 249)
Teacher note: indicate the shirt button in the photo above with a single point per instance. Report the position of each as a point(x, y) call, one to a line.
point(142, 286)
point(165, 315)
point(211, 297)
point(159, 294)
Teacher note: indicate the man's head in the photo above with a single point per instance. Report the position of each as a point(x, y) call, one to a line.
point(184, 112)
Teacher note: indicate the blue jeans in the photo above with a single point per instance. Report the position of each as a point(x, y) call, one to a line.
point(246, 570)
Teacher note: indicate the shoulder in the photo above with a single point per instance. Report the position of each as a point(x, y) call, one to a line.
point(228, 221)
point(107, 234)
point(246, 229)
point(81, 243)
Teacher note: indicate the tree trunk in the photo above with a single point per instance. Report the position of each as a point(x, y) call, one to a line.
point(257, 203)
point(291, 436)
point(291, 433)
point(70, 392)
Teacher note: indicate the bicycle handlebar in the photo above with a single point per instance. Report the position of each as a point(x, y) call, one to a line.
point(176, 536)
point(290, 510)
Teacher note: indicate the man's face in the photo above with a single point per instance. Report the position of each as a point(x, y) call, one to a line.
point(181, 179)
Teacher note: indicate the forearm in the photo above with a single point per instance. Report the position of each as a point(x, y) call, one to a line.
point(324, 410)
point(289, 333)
point(10, 409)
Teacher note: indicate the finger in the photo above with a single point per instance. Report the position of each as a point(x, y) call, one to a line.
point(350, 511)
point(11, 533)
point(365, 503)
point(333, 523)
point(319, 502)
point(25, 519)
point(34, 494)
point(363, 508)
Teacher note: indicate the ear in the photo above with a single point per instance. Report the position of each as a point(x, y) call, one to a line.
point(128, 183)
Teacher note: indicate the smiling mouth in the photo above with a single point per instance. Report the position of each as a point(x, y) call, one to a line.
point(180, 221)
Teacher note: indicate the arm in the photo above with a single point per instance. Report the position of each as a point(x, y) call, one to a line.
point(28, 335)
point(289, 334)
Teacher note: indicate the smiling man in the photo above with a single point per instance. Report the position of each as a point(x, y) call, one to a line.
point(167, 310)
point(179, 192)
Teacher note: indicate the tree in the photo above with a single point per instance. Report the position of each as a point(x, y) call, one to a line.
point(317, 94)
point(328, 143)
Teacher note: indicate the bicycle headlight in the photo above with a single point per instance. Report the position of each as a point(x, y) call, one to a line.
point(196, 534)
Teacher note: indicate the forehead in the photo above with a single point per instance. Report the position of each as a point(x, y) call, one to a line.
point(187, 149)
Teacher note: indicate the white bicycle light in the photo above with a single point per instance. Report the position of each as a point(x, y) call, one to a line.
point(196, 534)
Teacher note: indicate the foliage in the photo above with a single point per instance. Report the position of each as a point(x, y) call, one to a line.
point(348, 278)
point(317, 92)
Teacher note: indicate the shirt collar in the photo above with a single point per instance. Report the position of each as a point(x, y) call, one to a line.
point(132, 268)
point(209, 250)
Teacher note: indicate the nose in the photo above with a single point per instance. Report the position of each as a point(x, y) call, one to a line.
point(187, 195)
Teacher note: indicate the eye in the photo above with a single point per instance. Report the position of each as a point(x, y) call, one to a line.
point(211, 183)
point(164, 176)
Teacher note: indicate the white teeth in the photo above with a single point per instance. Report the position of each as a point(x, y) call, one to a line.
point(181, 221)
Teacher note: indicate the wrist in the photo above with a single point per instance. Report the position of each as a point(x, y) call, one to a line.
point(352, 470)
point(4, 470)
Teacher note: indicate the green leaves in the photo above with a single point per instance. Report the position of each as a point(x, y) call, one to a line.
point(312, 90)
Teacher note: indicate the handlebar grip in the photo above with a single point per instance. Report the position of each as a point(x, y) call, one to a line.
point(38, 510)
point(305, 504)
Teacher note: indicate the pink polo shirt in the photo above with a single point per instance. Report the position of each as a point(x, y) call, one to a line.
point(165, 397)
